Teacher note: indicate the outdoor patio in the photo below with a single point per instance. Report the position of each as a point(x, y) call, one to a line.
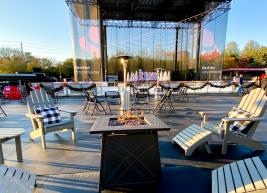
point(68, 167)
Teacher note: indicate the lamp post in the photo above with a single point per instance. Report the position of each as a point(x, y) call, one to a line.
point(159, 71)
point(125, 95)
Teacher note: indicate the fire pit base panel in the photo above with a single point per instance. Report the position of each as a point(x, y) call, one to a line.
point(130, 154)
point(129, 161)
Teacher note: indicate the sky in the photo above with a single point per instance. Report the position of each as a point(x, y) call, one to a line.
point(247, 20)
point(44, 28)
point(42, 25)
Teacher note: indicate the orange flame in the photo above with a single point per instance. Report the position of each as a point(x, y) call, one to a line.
point(129, 118)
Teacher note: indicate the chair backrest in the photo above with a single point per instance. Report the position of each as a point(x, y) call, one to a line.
point(142, 93)
point(167, 95)
point(254, 103)
point(87, 95)
point(113, 97)
point(184, 90)
point(133, 89)
point(91, 96)
point(112, 94)
point(38, 99)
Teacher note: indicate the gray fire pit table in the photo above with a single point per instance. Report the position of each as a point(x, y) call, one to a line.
point(129, 154)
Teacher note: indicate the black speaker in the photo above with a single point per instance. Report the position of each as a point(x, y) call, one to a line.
point(174, 75)
point(120, 76)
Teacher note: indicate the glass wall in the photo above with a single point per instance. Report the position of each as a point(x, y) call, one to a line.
point(86, 42)
point(213, 36)
point(199, 49)
point(151, 48)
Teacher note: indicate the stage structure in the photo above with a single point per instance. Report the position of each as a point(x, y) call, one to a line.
point(186, 37)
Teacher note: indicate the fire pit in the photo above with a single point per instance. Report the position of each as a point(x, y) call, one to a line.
point(128, 119)
point(130, 153)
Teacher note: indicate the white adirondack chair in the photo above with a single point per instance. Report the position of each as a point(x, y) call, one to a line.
point(16, 180)
point(40, 99)
point(254, 103)
point(248, 175)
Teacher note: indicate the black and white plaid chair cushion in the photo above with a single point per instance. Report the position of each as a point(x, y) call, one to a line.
point(239, 126)
point(50, 115)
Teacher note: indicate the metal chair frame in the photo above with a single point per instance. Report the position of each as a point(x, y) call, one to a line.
point(182, 94)
point(91, 99)
point(3, 112)
point(140, 95)
point(166, 98)
point(110, 96)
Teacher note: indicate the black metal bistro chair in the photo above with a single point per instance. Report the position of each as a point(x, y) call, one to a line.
point(140, 96)
point(112, 98)
point(182, 94)
point(166, 98)
point(94, 101)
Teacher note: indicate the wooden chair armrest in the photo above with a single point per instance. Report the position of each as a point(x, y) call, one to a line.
point(231, 120)
point(205, 114)
point(202, 113)
point(34, 116)
point(69, 111)
point(234, 108)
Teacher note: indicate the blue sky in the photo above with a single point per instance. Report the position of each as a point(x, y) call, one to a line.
point(247, 20)
point(44, 25)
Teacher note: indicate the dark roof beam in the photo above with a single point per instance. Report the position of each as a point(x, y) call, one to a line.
point(132, 8)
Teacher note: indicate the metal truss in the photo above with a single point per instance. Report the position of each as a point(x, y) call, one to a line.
point(205, 17)
point(220, 10)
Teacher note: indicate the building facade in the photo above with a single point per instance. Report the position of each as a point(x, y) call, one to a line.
point(185, 37)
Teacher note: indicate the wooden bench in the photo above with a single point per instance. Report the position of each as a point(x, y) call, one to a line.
point(192, 137)
point(7, 134)
point(13, 180)
point(249, 175)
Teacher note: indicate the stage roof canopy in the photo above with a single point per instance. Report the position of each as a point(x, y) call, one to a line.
point(146, 10)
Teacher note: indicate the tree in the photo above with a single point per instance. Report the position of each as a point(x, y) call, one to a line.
point(232, 49)
point(249, 52)
point(260, 57)
point(250, 47)
point(66, 68)
point(231, 55)
point(11, 60)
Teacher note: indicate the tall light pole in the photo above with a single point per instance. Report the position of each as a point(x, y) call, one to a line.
point(125, 95)
point(60, 75)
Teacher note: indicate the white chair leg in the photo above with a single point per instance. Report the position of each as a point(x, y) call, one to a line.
point(43, 141)
point(73, 135)
point(1, 155)
point(207, 147)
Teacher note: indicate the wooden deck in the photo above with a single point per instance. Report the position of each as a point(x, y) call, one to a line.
point(68, 167)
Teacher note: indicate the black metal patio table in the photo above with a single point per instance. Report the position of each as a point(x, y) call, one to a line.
point(130, 154)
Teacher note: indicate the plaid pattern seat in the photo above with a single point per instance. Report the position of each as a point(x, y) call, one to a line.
point(50, 115)
point(239, 126)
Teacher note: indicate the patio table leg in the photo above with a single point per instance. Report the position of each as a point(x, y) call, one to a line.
point(18, 148)
point(1, 154)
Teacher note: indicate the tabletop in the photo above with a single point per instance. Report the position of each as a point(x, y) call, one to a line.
point(102, 125)
point(10, 132)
